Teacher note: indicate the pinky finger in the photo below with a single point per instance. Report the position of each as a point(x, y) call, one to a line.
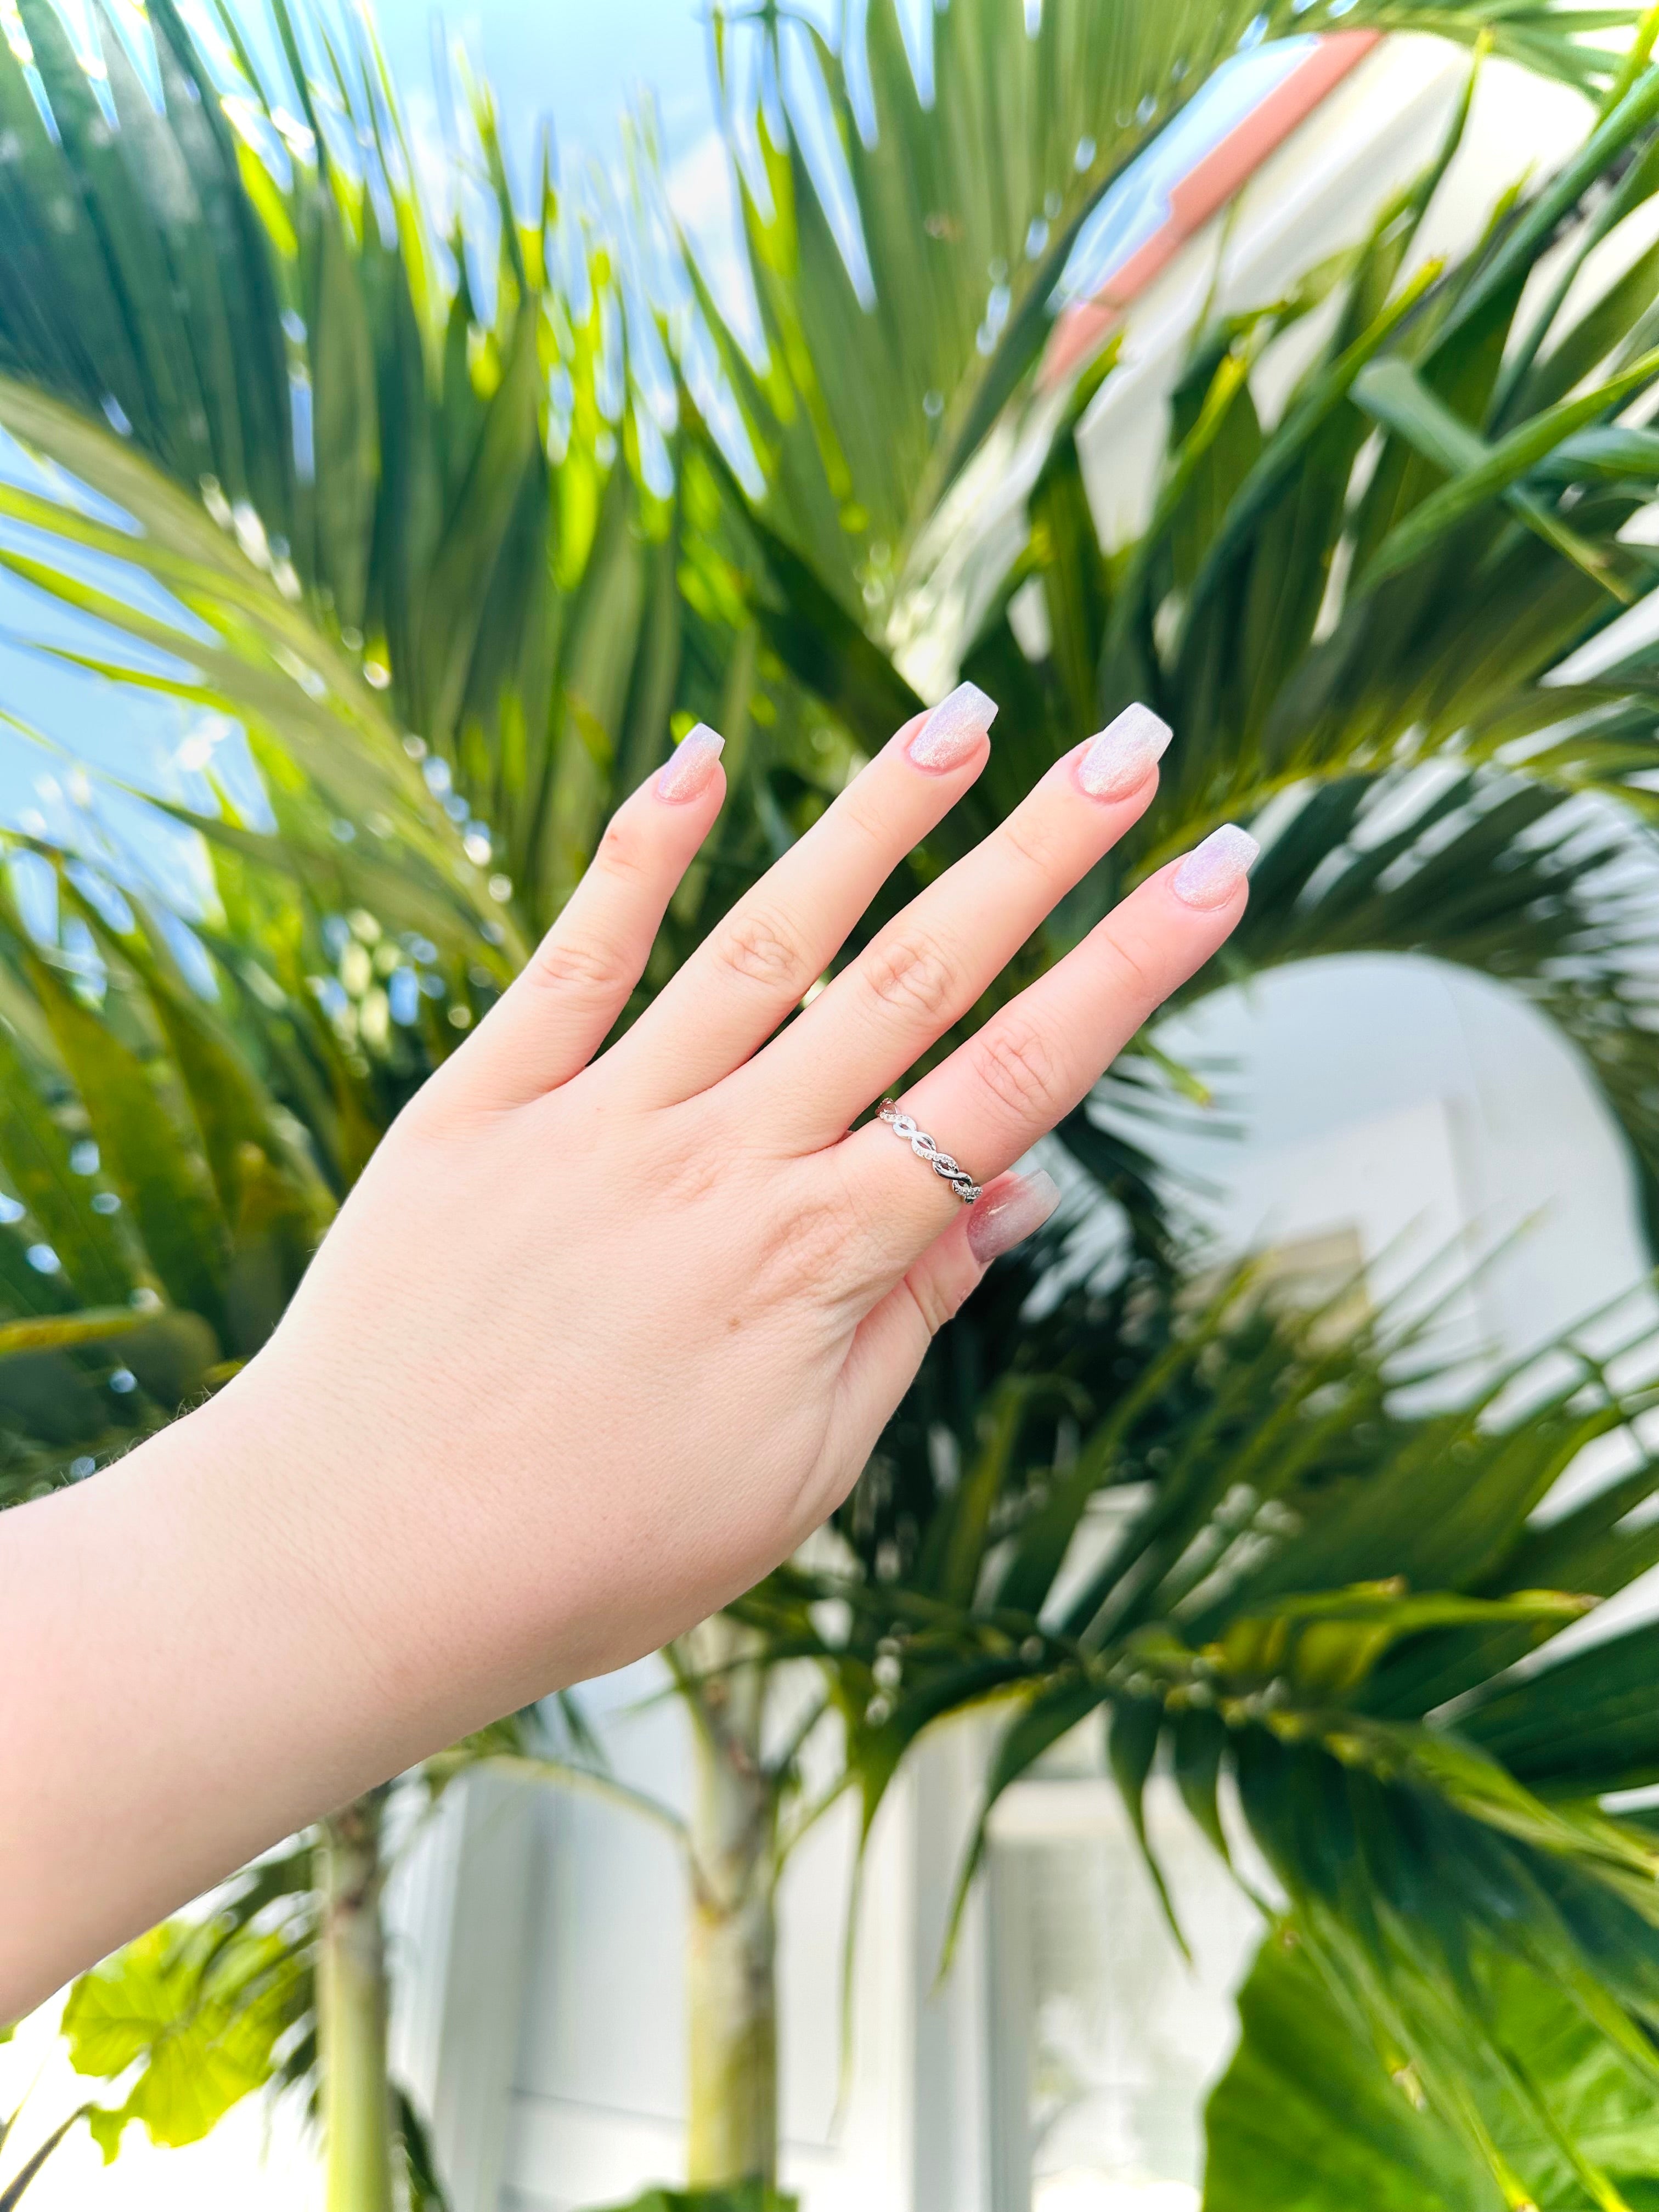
point(888, 1345)
point(555, 1016)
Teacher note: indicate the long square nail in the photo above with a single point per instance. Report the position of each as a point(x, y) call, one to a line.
point(952, 731)
point(690, 764)
point(1214, 871)
point(1009, 1212)
point(1120, 760)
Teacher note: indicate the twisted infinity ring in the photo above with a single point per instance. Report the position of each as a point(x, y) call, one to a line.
point(925, 1148)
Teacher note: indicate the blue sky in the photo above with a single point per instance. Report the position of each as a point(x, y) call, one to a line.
point(579, 60)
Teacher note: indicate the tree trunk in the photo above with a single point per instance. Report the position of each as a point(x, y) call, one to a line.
point(351, 2013)
point(733, 1949)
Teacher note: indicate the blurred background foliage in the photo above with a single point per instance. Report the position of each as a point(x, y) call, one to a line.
point(434, 513)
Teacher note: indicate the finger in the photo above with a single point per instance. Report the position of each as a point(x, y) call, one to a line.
point(927, 968)
point(1044, 1052)
point(558, 1013)
point(888, 1346)
point(775, 942)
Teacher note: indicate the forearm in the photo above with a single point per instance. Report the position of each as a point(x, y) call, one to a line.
point(278, 1602)
point(187, 1682)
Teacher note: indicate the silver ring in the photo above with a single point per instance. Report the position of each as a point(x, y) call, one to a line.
point(925, 1148)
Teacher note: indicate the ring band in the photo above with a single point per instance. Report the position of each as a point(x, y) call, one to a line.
point(925, 1148)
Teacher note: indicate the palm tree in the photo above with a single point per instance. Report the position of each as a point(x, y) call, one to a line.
point(467, 599)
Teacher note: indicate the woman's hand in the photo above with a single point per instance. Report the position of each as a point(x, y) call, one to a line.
point(600, 1336)
point(614, 1333)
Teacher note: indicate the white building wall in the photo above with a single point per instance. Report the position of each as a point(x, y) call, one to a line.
point(1317, 195)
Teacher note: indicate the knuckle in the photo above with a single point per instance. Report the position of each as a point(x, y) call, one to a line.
point(824, 1245)
point(1135, 973)
point(805, 1249)
point(865, 1226)
point(622, 850)
point(1033, 836)
point(931, 1300)
point(912, 974)
point(577, 964)
point(683, 1175)
point(762, 948)
point(1016, 1064)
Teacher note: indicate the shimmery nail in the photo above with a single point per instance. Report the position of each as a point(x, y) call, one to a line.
point(1009, 1212)
point(1214, 871)
point(1120, 760)
point(691, 763)
point(953, 730)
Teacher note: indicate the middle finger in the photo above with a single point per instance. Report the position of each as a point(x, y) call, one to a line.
point(931, 964)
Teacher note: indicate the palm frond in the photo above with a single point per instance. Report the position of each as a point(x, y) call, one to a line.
point(1361, 618)
point(415, 502)
point(1215, 1535)
point(908, 220)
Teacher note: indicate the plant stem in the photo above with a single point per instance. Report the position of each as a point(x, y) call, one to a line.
point(733, 1948)
point(351, 2013)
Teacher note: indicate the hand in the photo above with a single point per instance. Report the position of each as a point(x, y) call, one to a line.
point(595, 1342)
point(598, 1341)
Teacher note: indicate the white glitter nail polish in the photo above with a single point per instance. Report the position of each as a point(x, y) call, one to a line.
point(1120, 760)
point(1214, 871)
point(690, 764)
point(953, 730)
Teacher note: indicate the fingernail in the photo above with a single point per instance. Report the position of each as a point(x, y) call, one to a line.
point(691, 763)
point(1120, 760)
point(954, 729)
point(1214, 871)
point(1009, 1212)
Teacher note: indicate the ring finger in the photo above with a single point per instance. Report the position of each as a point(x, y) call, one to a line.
point(1042, 1054)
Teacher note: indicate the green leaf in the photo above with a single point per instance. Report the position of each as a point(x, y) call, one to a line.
point(160, 1180)
point(1041, 1725)
point(1312, 2116)
point(426, 2191)
point(1434, 518)
point(1392, 393)
point(34, 1152)
point(201, 2021)
point(1134, 1729)
point(1332, 1642)
point(1585, 1725)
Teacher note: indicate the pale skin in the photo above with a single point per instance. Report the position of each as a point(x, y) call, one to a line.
point(599, 1338)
